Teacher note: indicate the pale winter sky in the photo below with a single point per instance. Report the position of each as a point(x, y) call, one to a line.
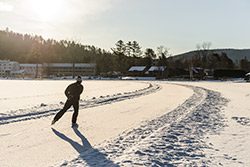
point(177, 24)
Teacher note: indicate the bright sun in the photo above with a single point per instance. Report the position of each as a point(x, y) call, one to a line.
point(48, 10)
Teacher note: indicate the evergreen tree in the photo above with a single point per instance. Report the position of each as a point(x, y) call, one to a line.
point(136, 50)
point(120, 51)
point(149, 56)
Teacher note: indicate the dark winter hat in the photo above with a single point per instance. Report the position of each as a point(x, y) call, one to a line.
point(78, 78)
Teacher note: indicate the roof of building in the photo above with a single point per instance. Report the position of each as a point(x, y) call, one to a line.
point(61, 65)
point(156, 68)
point(17, 72)
point(71, 65)
point(137, 68)
point(30, 65)
point(4, 61)
point(8, 61)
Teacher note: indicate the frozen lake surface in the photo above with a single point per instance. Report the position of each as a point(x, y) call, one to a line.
point(23, 94)
point(126, 123)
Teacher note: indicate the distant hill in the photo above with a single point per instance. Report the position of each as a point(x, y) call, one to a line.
point(234, 54)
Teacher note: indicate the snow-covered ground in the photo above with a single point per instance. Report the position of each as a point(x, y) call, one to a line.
point(126, 123)
point(231, 145)
point(16, 95)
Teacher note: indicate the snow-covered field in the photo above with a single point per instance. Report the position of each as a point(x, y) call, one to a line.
point(126, 123)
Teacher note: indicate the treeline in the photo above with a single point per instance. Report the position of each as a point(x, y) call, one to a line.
point(26, 48)
point(208, 59)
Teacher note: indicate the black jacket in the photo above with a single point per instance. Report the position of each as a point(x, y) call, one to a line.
point(73, 91)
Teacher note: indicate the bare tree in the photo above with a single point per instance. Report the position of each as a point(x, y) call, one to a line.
point(163, 55)
point(201, 57)
point(163, 51)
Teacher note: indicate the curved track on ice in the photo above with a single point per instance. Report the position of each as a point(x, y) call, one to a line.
point(45, 111)
point(173, 139)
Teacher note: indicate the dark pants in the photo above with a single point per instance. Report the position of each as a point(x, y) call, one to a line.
point(67, 105)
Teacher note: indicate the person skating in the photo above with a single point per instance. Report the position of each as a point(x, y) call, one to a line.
point(72, 92)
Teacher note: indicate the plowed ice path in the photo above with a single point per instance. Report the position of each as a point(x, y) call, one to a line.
point(161, 124)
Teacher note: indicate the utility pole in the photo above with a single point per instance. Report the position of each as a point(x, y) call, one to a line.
point(191, 70)
point(73, 70)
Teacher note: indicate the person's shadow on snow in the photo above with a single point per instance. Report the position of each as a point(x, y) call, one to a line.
point(92, 157)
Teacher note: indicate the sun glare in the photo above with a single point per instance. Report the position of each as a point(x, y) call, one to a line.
point(47, 10)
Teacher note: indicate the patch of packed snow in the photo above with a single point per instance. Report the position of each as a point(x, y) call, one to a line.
point(176, 138)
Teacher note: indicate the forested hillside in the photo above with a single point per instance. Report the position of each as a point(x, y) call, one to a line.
point(35, 49)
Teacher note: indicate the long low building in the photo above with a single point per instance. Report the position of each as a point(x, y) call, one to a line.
point(14, 69)
point(70, 69)
point(32, 70)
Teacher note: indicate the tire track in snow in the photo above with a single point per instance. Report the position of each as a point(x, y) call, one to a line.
point(174, 139)
point(50, 110)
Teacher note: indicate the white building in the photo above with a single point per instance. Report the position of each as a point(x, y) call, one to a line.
point(9, 68)
point(32, 70)
point(14, 69)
